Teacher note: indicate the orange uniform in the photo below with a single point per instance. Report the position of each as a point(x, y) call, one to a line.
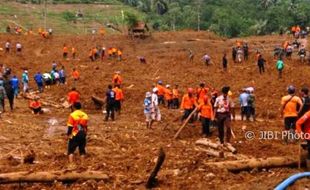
point(35, 104)
point(202, 92)
point(290, 109)
point(298, 29)
point(188, 102)
point(168, 94)
point(65, 49)
point(119, 95)
point(161, 90)
point(75, 75)
point(285, 44)
point(77, 119)
point(303, 125)
point(119, 53)
point(293, 29)
point(175, 93)
point(73, 50)
point(117, 79)
point(206, 110)
point(73, 97)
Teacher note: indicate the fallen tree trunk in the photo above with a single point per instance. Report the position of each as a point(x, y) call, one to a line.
point(45, 103)
point(210, 152)
point(152, 181)
point(18, 177)
point(207, 142)
point(99, 102)
point(240, 165)
point(231, 148)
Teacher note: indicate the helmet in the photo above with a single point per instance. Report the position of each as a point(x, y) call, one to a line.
point(190, 90)
point(26, 71)
point(291, 89)
point(160, 82)
point(148, 94)
point(167, 86)
point(205, 98)
point(155, 90)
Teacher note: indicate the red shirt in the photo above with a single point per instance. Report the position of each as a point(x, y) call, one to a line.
point(73, 97)
point(305, 122)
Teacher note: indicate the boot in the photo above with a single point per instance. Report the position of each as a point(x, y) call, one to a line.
point(308, 164)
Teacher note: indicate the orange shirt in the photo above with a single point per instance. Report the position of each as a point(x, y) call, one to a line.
point(201, 92)
point(119, 95)
point(94, 51)
point(175, 93)
point(73, 97)
point(303, 125)
point(293, 29)
point(77, 119)
point(168, 94)
point(297, 29)
point(206, 110)
point(110, 51)
point(290, 109)
point(35, 104)
point(65, 49)
point(285, 44)
point(188, 102)
point(161, 90)
point(75, 74)
point(73, 50)
point(119, 53)
point(114, 50)
point(117, 79)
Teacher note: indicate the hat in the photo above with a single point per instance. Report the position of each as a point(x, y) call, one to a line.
point(148, 94)
point(155, 90)
point(167, 86)
point(26, 71)
point(160, 82)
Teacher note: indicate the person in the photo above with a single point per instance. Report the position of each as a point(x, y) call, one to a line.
point(223, 106)
point(245, 109)
point(302, 53)
point(25, 81)
point(91, 55)
point(303, 129)
point(224, 62)
point(110, 53)
point(110, 103)
point(62, 75)
point(251, 104)
point(188, 104)
point(293, 30)
point(239, 54)
point(201, 92)
point(18, 48)
point(148, 110)
point(206, 115)
point(261, 64)
point(102, 53)
point(95, 53)
point(207, 59)
point(77, 131)
point(119, 54)
point(15, 85)
point(73, 97)
point(296, 44)
point(168, 96)
point(2, 96)
point(50, 31)
point(280, 67)
point(117, 79)
point(73, 51)
point(56, 77)
point(156, 115)
point(119, 98)
point(65, 51)
point(245, 51)
point(54, 65)
point(175, 97)
point(289, 51)
point(161, 92)
point(7, 46)
point(39, 80)
point(75, 76)
point(191, 56)
point(47, 78)
point(234, 53)
point(36, 106)
point(142, 59)
point(291, 105)
point(305, 101)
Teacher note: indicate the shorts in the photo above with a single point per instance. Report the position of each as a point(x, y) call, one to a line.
point(148, 117)
point(290, 122)
point(77, 141)
point(19, 49)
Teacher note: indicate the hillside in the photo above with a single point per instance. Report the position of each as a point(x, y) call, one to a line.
point(125, 149)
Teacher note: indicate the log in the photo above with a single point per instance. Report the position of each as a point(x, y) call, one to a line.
point(152, 181)
point(210, 152)
point(231, 148)
point(45, 103)
point(51, 176)
point(207, 142)
point(99, 102)
point(184, 124)
point(249, 164)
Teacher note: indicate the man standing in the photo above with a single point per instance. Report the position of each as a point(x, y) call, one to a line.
point(25, 80)
point(305, 101)
point(224, 62)
point(110, 103)
point(175, 97)
point(280, 67)
point(156, 115)
point(303, 128)
point(119, 97)
point(148, 110)
point(15, 85)
point(161, 92)
point(261, 64)
point(77, 131)
point(243, 99)
point(39, 80)
point(188, 103)
point(223, 106)
point(289, 110)
point(73, 97)
point(206, 115)
point(2, 97)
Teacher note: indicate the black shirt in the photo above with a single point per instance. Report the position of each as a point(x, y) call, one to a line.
point(110, 96)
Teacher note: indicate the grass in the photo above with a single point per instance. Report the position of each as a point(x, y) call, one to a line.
point(31, 16)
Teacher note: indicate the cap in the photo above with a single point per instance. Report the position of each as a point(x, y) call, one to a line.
point(148, 94)
point(155, 90)
point(160, 82)
point(167, 86)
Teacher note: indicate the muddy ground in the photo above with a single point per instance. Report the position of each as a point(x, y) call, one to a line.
point(125, 149)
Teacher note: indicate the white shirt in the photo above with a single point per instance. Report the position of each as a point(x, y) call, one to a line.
point(222, 105)
point(7, 45)
point(154, 99)
point(18, 46)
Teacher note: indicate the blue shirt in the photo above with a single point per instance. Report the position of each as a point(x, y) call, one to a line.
point(147, 105)
point(62, 73)
point(14, 83)
point(244, 97)
point(110, 96)
point(38, 78)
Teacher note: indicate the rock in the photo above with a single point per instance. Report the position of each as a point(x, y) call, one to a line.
point(210, 175)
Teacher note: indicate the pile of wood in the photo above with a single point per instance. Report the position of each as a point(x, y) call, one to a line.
point(215, 149)
point(44, 102)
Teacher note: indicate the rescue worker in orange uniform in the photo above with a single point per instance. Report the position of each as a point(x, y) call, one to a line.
point(36, 106)
point(77, 131)
point(117, 79)
point(119, 97)
point(188, 103)
point(73, 51)
point(206, 115)
point(65, 51)
point(91, 55)
point(175, 97)
point(161, 92)
point(202, 91)
point(119, 54)
point(169, 96)
point(75, 76)
point(73, 97)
